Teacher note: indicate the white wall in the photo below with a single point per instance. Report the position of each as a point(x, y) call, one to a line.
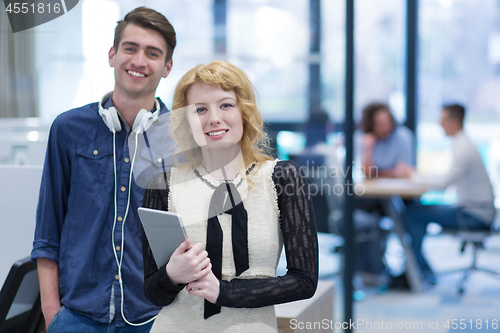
point(19, 186)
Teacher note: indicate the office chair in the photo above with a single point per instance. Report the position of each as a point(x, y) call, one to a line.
point(476, 238)
point(314, 165)
point(20, 308)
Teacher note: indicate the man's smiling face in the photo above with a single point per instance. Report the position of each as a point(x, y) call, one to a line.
point(139, 62)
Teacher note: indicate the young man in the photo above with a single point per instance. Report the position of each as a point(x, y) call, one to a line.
point(88, 236)
point(475, 207)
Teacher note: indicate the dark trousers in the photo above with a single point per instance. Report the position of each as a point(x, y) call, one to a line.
point(418, 216)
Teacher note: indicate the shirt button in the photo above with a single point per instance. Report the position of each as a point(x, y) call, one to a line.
point(123, 189)
point(117, 277)
point(96, 152)
point(126, 159)
point(118, 248)
point(119, 218)
point(159, 160)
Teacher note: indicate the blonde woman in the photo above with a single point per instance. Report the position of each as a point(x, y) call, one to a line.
point(239, 207)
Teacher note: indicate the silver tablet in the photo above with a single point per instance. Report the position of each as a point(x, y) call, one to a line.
point(164, 231)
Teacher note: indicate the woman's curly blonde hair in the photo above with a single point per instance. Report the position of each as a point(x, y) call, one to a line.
point(254, 142)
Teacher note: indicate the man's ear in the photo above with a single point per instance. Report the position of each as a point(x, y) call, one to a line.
point(168, 68)
point(111, 56)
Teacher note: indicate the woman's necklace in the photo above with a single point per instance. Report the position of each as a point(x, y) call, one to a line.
point(197, 173)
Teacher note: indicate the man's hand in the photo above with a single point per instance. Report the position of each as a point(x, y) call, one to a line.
point(403, 170)
point(49, 311)
point(369, 140)
point(206, 287)
point(188, 264)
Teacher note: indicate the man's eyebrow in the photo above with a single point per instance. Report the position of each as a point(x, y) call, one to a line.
point(154, 48)
point(130, 43)
point(149, 47)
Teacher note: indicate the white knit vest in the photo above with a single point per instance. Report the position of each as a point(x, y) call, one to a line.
point(190, 197)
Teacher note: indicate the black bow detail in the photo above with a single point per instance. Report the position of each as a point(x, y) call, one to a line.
point(230, 204)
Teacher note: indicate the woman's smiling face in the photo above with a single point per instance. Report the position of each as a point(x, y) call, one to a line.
point(214, 116)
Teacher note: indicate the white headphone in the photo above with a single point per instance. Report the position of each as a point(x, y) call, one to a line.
point(142, 122)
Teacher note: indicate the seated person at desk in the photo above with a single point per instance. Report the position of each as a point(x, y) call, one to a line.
point(384, 143)
point(474, 209)
point(380, 148)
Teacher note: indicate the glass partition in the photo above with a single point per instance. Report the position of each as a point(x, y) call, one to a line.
point(459, 62)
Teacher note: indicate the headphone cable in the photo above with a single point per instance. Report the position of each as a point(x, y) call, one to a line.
point(119, 262)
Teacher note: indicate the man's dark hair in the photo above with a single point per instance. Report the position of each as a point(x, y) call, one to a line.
point(369, 112)
point(456, 111)
point(148, 18)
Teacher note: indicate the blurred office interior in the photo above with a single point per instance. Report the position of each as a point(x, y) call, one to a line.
point(295, 54)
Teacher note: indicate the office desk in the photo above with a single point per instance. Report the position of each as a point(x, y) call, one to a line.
point(393, 191)
point(387, 187)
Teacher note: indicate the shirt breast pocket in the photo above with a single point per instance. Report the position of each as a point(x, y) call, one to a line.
point(93, 168)
point(150, 162)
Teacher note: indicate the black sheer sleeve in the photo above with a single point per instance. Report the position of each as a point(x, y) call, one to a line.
point(158, 288)
point(301, 249)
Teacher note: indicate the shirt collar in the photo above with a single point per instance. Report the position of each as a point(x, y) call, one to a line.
point(459, 133)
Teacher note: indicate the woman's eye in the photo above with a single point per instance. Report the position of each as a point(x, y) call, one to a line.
point(200, 110)
point(227, 105)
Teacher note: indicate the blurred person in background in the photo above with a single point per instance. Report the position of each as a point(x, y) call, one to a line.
point(384, 143)
point(475, 207)
point(381, 144)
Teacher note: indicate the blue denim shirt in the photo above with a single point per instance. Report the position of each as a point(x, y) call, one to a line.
point(75, 213)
